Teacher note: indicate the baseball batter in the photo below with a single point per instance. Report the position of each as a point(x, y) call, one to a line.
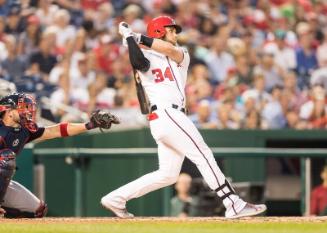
point(18, 127)
point(162, 66)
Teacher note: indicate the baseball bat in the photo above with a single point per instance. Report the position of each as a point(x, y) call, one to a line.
point(141, 96)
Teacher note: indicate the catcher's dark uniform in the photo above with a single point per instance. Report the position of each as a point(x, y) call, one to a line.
point(14, 198)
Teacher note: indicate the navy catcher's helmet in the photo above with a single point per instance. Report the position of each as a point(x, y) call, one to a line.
point(25, 105)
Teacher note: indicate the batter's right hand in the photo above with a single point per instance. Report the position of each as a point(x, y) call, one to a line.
point(124, 30)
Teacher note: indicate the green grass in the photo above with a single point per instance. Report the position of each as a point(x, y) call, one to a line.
point(160, 227)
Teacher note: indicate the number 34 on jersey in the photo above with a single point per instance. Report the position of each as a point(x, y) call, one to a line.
point(160, 76)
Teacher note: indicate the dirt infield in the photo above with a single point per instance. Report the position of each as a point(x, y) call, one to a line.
point(167, 219)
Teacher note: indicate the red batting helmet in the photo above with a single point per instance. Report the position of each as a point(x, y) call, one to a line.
point(156, 27)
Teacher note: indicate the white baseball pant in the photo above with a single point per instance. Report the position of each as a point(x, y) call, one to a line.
point(177, 137)
point(19, 197)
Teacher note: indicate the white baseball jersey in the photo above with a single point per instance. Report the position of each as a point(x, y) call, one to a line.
point(165, 81)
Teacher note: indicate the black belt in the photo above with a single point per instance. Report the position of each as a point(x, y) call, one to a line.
point(175, 106)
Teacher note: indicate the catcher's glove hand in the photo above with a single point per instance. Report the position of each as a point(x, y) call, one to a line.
point(102, 119)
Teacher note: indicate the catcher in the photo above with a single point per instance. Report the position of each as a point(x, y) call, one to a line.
point(18, 127)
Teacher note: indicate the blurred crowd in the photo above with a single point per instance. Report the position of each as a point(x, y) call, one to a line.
point(255, 64)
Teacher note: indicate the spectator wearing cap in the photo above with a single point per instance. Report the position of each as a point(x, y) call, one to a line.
point(306, 60)
point(14, 22)
point(86, 37)
point(30, 38)
point(271, 71)
point(13, 65)
point(284, 55)
point(256, 21)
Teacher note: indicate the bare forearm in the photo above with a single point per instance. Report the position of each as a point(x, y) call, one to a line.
point(99, 119)
point(63, 130)
point(75, 128)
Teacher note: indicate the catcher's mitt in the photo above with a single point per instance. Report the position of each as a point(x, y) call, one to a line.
point(102, 119)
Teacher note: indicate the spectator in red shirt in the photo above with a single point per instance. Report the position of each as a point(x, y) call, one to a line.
point(106, 53)
point(319, 196)
point(91, 4)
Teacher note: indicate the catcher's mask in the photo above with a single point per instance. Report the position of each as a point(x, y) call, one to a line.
point(25, 105)
point(156, 27)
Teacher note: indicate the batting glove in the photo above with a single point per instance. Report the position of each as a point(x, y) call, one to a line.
point(124, 30)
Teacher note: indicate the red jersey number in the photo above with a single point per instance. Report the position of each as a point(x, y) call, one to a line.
point(160, 77)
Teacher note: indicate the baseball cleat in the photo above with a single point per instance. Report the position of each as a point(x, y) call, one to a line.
point(121, 213)
point(249, 210)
